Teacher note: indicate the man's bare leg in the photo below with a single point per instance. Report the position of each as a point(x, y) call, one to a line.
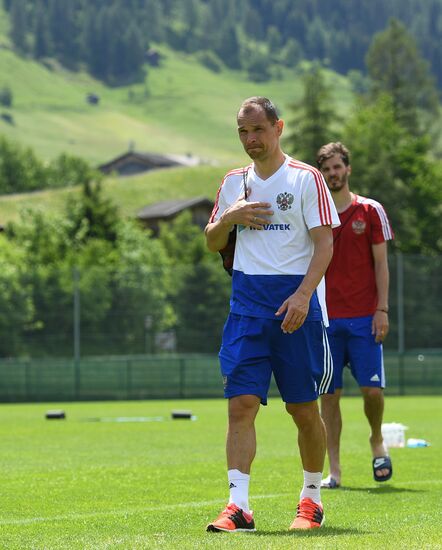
point(311, 434)
point(331, 414)
point(241, 435)
point(374, 411)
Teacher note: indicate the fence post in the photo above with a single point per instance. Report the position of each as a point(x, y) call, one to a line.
point(182, 376)
point(400, 319)
point(27, 382)
point(148, 344)
point(77, 352)
point(128, 378)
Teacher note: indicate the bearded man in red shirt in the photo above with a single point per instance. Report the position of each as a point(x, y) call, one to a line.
point(357, 302)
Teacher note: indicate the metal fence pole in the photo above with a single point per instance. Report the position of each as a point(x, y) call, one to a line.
point(27, 381)
point(400, 320)
point(128, 379)
point(182, 389)
point(77, 352)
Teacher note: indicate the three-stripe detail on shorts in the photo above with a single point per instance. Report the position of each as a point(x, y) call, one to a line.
point(328, 364)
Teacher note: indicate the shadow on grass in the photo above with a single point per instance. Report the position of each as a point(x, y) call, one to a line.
point(382, 490)
point(323, 532)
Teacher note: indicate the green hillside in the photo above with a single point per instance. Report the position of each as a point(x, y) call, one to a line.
point(187, 109)
point(129, 194)
point(181, 107)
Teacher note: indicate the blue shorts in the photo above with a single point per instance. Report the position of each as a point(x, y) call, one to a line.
point(253, 348)
point(353, 344)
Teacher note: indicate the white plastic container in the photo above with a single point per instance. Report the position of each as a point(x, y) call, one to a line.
point(394, 434)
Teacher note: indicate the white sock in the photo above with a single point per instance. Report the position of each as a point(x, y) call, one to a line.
point(312, 486)
point(239, 489)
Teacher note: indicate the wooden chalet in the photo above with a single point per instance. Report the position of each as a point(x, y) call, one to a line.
point(165, 211)
point(134, 162)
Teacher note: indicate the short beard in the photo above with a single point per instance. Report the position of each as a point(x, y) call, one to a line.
point(336, 186)
point(257, 154)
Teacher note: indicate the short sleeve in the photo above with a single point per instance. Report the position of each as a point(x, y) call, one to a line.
point(381, 230)
point(220, 204)
point(318, 206)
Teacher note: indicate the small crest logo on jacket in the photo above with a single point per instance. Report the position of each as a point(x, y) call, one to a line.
point(358, 226)
point(284, 201)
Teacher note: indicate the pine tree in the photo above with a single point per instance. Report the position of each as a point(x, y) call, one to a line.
point(274, 40)
point(313, 117)
point(93, 216)
point(135, 49)
point(63, 31)
point(152, 20)
point(228, 48)
point(41, 32)
point(396, 67)
point(19, 25)
point(96, 39)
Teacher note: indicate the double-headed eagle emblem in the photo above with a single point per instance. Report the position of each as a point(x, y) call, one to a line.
point(284, 201)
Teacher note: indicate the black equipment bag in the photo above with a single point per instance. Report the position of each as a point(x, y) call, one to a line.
point(228, 252)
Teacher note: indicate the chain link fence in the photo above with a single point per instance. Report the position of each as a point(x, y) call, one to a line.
point(112, 344)
point(176, 376)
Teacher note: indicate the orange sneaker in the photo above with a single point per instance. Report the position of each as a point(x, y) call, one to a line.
point(233, 520)
point(309, 515)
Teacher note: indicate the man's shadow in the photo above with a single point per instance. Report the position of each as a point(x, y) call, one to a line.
point(384, 489)
point(330, 530)
point(323, 531)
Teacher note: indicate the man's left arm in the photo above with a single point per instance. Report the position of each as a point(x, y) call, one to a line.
point(380, 323)
point(297, 305)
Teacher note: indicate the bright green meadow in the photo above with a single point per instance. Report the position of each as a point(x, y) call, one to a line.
point(181, 107)
point(83, 483)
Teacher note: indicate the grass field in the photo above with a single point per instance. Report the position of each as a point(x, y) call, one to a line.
point(146, 485)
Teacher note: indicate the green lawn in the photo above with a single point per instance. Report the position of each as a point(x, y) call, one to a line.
point(97, 485)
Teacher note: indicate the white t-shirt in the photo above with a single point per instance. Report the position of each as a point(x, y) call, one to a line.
point(300, 201)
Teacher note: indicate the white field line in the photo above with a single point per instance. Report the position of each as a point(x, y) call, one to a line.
point(165, 507)
point(128, 512)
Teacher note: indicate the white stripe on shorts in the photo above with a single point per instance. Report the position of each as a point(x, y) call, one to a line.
point(328, 364)
point(382, 369)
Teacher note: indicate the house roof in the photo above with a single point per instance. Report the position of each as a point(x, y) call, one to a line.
point(151, 160)
point(166, 209)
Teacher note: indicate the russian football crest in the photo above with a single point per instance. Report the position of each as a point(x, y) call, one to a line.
point(358, 226)
point(284, 201)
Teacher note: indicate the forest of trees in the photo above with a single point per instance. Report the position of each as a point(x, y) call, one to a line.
point(22, 171)
point(110, 37)
point(124, 274)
